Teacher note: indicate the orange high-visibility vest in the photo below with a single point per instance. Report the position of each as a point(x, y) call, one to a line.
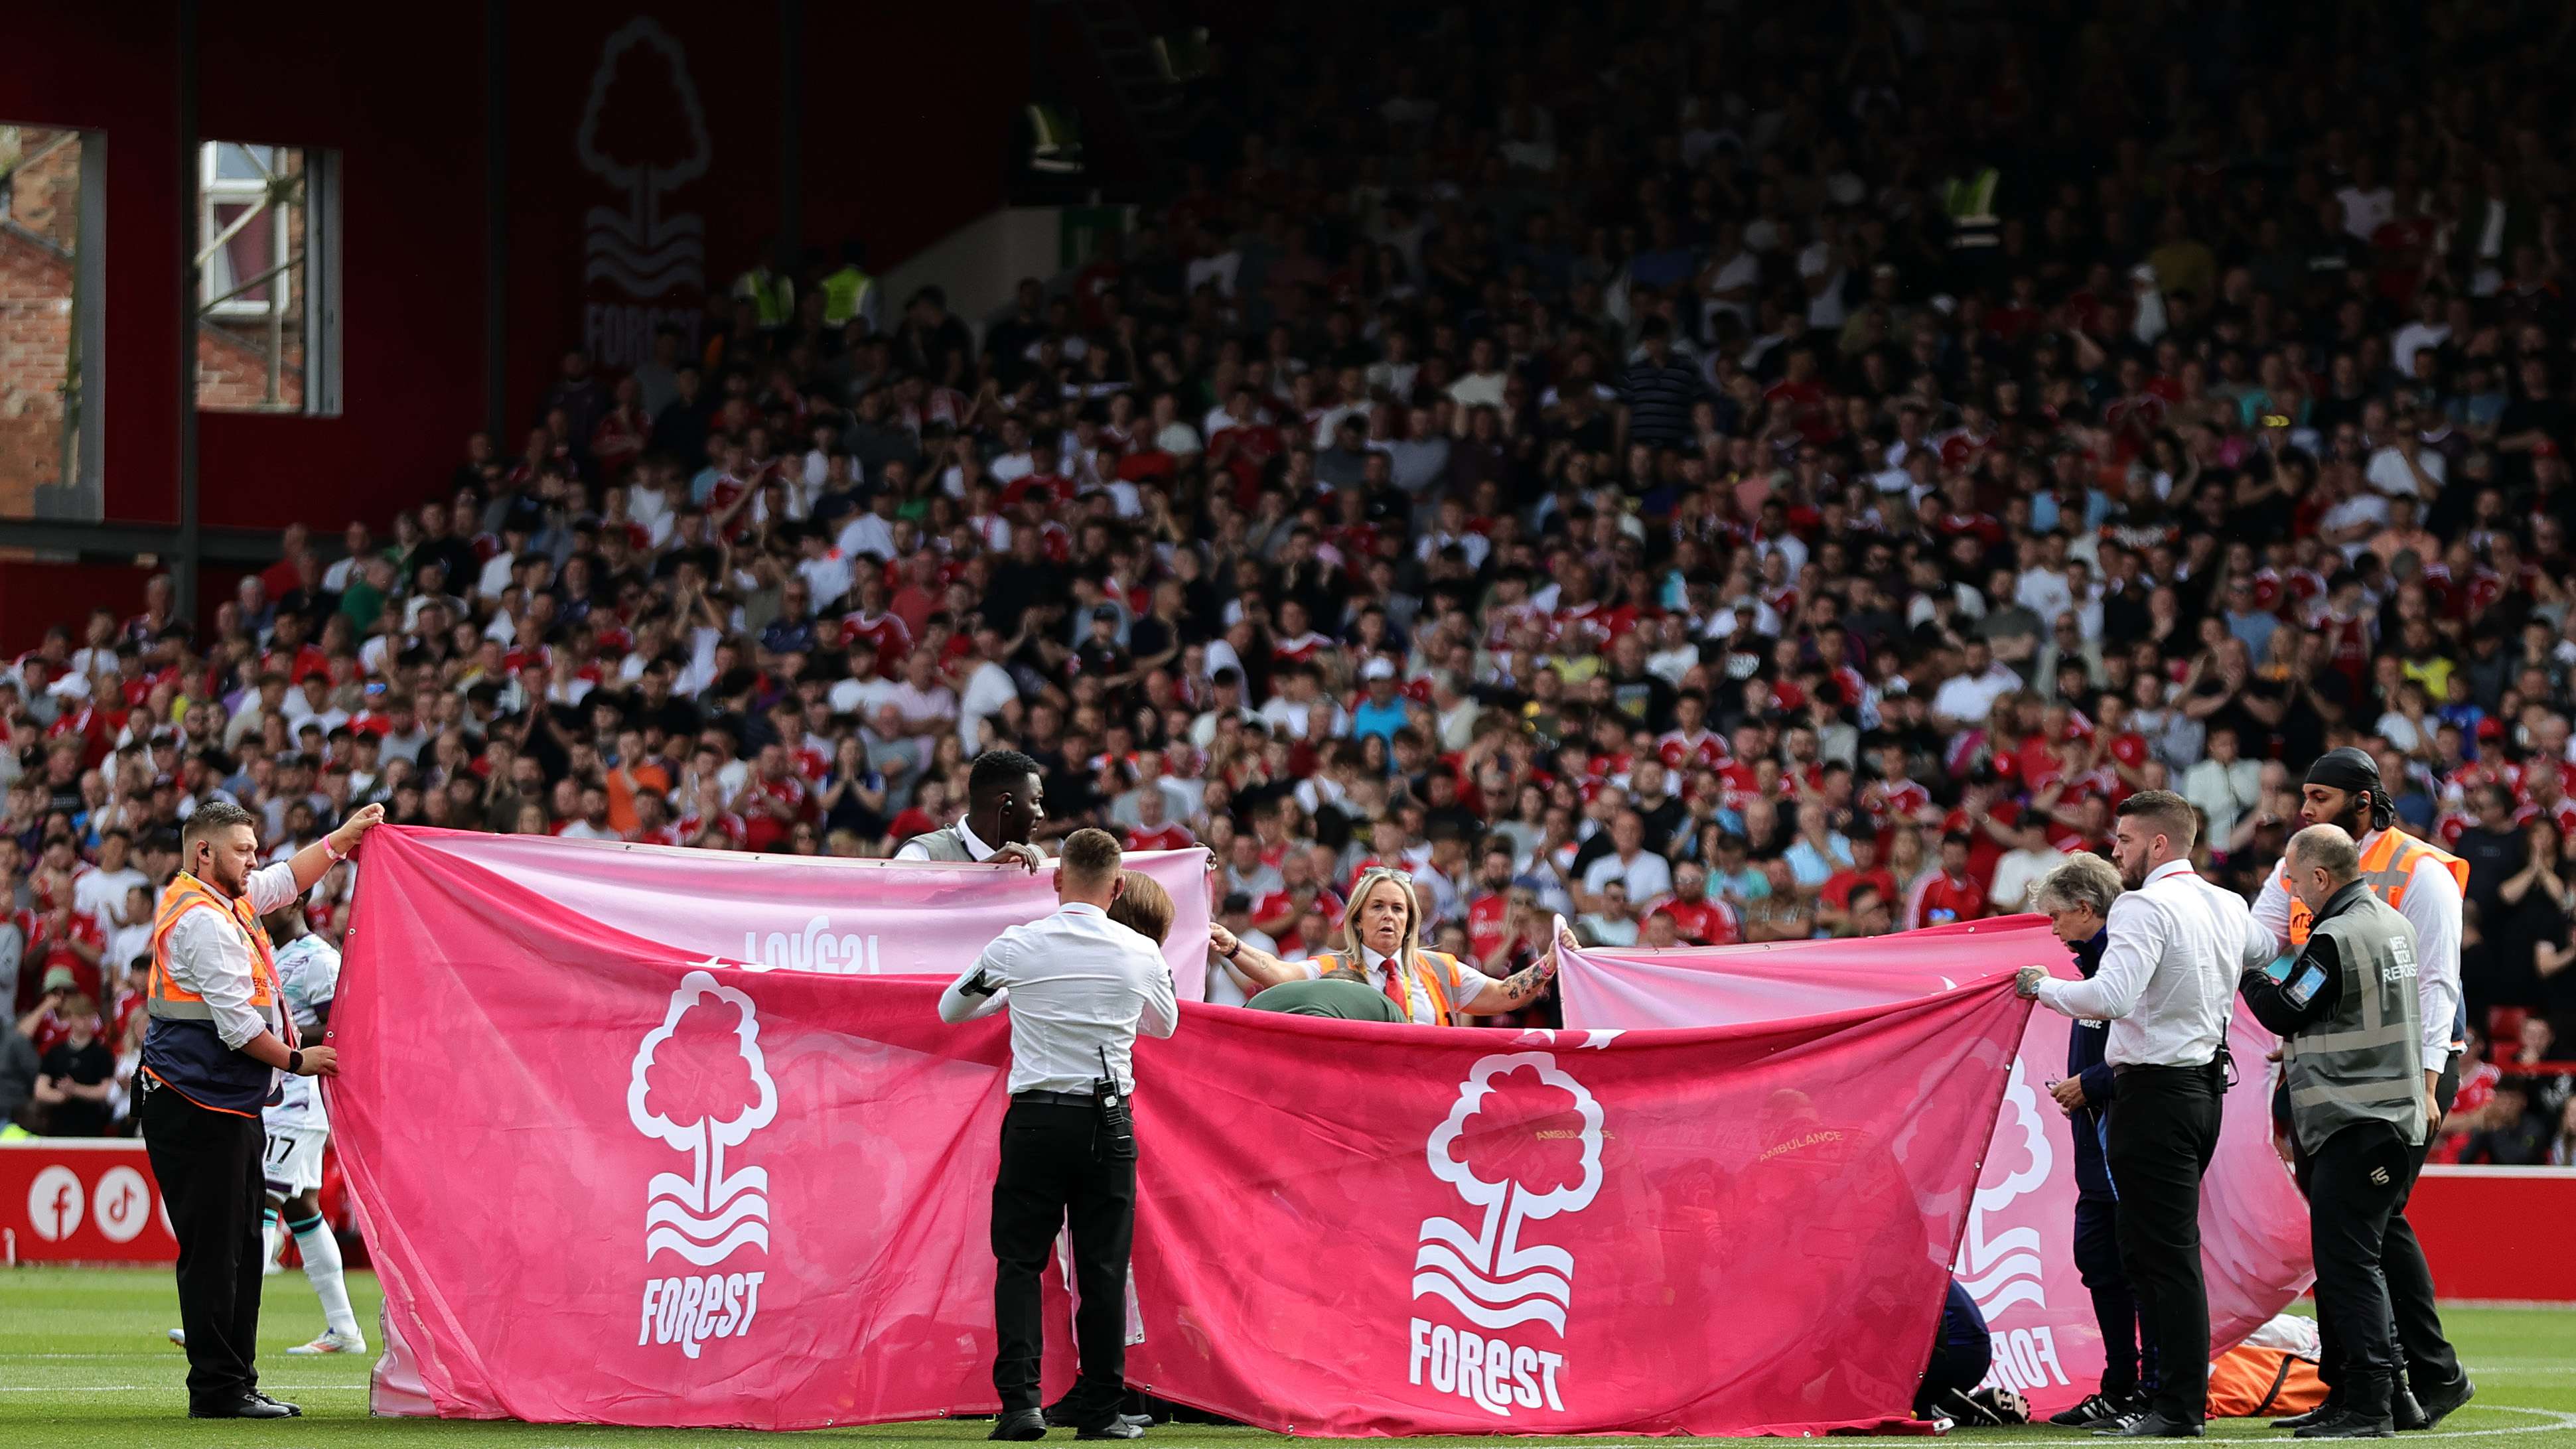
point(2386, 867)
point(181, 1048)
point(1438, 971)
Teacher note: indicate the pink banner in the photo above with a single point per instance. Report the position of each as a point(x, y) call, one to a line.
point(788, 912)
point(608, 1178)
point(2017, 1256)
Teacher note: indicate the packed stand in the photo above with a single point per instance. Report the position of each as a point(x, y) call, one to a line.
point(1604, 476)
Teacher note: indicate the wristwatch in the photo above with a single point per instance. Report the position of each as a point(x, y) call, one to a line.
point(295, 1063)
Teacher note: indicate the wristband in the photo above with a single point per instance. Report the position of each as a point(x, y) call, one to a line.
point(1237, 951)
point(337, 855)
point(295, 1064)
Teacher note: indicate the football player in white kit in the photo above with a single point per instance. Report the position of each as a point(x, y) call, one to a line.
point(308, 973)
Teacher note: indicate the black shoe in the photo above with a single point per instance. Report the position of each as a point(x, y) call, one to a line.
point(2405, 1412)
point(292, 1409)
point(2094, 1412)
point(2351, 1424)
point(2318, 1415)
point(1022, 1424)
point(2440, 1405)
point(244, 1405)
point(1122, 1427)
point(2149, 1425)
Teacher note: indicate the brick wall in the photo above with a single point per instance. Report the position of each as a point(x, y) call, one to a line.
point(36, 316)
point(232, 373)
point(35, 341)
point(44, 196)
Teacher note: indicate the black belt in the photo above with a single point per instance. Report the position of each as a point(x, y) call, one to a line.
point(1053, 1099)
point(2124, 1069)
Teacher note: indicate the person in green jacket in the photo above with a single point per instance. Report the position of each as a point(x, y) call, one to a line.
point(1342, 993)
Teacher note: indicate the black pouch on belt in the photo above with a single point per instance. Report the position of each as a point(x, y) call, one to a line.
point(1114, 1130)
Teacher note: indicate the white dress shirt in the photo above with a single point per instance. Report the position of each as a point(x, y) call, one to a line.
point(2167, 982)
point(1077, 984)
point(2432, 906)
point(210, 956)
point(966, 835)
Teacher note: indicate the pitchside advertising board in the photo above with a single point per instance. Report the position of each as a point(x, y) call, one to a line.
point(81, 1200)
point(717, 1190)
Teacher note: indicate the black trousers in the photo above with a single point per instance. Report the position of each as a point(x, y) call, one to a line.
point(2356, 1182)
point(208, 1167)
point(2163, 1131)
point(1058, 1165)
point(2128, 1356)
point(2430, 1364)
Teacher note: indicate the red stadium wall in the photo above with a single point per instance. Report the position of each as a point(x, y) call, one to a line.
point(900, 160)
point(2472, 1220)
point(405, 112)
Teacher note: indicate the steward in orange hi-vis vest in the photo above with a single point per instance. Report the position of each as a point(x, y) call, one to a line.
point(1382, 936)
point(181, 1048)
point(218, 1035)
point(2387, 866)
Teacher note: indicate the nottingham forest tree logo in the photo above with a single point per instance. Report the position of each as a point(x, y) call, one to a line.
point(1522, 1143)
point(644, 133)
point(699, 1084)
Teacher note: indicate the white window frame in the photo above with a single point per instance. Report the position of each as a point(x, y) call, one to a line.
point(213, 191)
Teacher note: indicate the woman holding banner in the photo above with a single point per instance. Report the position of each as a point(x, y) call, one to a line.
point(1382, 925)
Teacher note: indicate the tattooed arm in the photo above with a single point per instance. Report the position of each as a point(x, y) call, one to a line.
point(1492, 996)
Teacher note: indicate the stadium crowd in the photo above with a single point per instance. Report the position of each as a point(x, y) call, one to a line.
point(1547, 452)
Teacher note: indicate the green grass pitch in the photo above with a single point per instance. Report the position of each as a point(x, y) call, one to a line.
point(83, 1365)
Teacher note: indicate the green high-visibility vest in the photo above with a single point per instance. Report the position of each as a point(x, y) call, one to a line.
point(771, 295)
point(1972, 199)
point(844, 294)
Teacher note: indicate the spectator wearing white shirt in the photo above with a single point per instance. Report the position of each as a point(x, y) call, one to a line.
point(1481, 385)
point(2043, 587)
point(100, 892)
point(872, 533)
point(2429, 329)
point(2224, 785)
point(2019, 871)
point(1967, 697)
point(1648, 876)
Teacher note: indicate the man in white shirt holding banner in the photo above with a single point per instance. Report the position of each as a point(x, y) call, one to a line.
point(2167, 986)
point(1079, 987)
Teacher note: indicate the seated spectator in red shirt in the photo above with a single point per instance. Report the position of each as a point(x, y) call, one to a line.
point(1153, 829)
point(65, 941)
point(1948, 894)
point(1835, 898)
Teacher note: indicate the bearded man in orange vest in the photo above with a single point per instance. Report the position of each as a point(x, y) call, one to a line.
point(218, 1038)
point(2426, 885)
point(1382, 926)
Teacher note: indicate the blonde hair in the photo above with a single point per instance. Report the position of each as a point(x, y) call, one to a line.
point(1407, 951)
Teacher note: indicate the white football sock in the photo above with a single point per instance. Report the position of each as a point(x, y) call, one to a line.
point(270, 1240)
point(322, 1267)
